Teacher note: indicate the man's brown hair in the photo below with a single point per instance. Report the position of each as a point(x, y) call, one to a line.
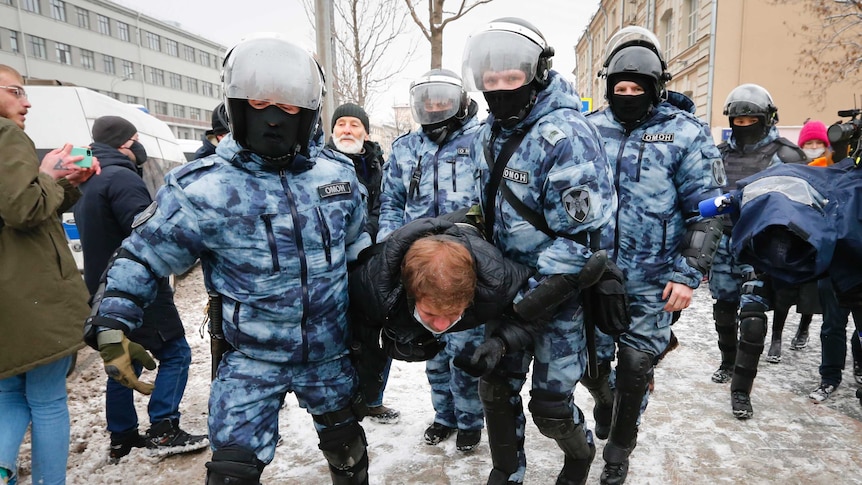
point(438, 271)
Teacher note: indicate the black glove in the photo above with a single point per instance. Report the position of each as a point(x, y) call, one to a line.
point(484, 359)
point(417, 349)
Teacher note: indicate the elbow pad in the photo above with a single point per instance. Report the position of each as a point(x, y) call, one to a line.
point(542, 302)
point(701, 242)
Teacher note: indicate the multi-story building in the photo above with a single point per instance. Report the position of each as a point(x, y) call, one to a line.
point(116, 51)
point(712, 46)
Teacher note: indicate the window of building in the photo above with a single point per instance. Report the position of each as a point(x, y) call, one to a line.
point(123, 31)
point(195, 113)
point(176, 80)
point(108, 61)
point(128, 70)
point(205, 58)
point(179, 111)
point(172, 48)
point(154, 41)
point(31, 6)
point(189, 53)
point(114, 95)
point(192, 85)
point(207, 89)
point(58, 10)
point(157, 76)
point(88, 59)
point(64, 53)
point(666, 30)
point(104, 24)
point(131, 99)
point(692, 21)
point(13, 42)
point(37, 47)
point(83, 17)
point(160, 107)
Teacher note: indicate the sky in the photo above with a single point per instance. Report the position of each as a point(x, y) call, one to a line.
point(561, 22)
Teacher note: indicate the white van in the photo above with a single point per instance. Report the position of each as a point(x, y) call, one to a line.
point(65, 114)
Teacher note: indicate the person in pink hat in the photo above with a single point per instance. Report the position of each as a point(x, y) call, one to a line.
point(814, 142)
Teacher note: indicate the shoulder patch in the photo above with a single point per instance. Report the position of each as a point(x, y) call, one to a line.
point(577, 204)
point(333, 189)
point(463, 151)
point(145, 214)
point(551, 133)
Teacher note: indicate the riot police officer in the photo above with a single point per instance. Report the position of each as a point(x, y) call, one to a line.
point(665, 163)
point(274, 218)
point(429, 173)
point(549, 188)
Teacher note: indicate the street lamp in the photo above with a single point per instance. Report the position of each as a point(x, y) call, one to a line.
point(116, 80)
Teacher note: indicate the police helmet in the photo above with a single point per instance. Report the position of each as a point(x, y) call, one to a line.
point(219, 121)
point(438, 96)
point(506, 44)
point(751, 100)
point(635, 52)
point(268, 67)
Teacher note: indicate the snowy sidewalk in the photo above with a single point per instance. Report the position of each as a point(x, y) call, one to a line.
point(688, 435)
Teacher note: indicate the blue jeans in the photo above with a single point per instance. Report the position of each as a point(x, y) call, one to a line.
point(174, 358)
point(37, 397)
point(833, 335)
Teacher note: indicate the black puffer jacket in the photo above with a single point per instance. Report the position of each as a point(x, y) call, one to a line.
point(104, 217)
point(369, 171)
point(377, 294)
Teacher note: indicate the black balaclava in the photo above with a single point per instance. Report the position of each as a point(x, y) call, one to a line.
point(139, 152)
point(510, 107)
point(748, 135)
point(438, 132)
point(631, 110)
point(272, 133)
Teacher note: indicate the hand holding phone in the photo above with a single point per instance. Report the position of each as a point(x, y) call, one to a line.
point(85, 152)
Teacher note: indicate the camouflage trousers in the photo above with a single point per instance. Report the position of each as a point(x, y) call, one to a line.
point(559, 360)
point(727, 274)
point(454, 393)
point(247, 394)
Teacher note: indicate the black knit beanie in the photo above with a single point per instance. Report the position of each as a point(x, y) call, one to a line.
point(113, 131)
point(350, 109)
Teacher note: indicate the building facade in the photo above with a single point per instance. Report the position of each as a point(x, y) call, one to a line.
point(712, 46)
point(116, 51)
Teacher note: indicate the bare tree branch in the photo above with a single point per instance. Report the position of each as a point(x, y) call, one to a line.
point(433, 31)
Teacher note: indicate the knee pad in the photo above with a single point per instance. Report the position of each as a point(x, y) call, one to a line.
point(234, 466)
point(724, 313)
point(344, 448)
point(600, 386)
point(552, 413)
point(634, 364)
point(493, 392)
point(752, 326)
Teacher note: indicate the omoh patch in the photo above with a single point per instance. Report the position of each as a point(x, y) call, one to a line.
point(577, 204)
point(331, 190)
point(145, 214)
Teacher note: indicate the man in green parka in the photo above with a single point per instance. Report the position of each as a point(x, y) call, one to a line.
point(43, 299)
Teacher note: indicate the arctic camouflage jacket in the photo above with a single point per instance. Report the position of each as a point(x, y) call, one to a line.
point(273, 244)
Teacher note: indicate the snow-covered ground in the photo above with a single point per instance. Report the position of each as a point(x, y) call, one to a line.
point(688, 435)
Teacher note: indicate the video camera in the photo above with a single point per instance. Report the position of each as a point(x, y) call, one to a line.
point(844, 136)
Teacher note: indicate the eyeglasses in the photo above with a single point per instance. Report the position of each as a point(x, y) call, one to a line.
point(18, 91)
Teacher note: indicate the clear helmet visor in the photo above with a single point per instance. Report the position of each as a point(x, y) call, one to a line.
point(499, 60)
point(748, 100)
point(631, 35)
point(269, 68)
point(434, 101)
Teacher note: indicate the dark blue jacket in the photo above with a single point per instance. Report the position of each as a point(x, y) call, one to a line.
point(798, 223)
point(104, 216)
